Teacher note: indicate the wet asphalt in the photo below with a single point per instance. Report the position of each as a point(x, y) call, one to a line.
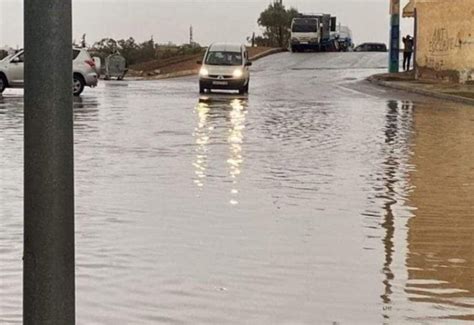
point(316, 199)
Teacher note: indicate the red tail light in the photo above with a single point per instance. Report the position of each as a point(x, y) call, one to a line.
point(90, 63)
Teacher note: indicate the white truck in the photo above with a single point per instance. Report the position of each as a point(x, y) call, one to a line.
point(312, 32)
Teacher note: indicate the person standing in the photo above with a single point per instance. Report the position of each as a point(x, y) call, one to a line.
point(407, 52)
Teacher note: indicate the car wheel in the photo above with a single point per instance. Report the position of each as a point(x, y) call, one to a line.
point(77, 85)
point(246, 88)
point(202, 90)
point(3, 83)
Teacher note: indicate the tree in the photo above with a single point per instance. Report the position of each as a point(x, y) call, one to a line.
point(83, 41)
point(106, 45)
point(3, 54)
point(276, 20)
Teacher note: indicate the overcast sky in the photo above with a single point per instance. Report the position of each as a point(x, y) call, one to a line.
point(213, 20)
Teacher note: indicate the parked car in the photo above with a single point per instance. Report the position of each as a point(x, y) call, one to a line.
point(371, 47)
point(84, 71)
point(225, 66)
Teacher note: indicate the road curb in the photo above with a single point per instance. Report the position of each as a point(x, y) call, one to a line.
point(266, 53)
point(424, 92)
point(184, 73)
point(193, 72)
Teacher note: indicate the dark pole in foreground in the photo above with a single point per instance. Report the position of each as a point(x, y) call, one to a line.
point(48, 266)
point(394, 63)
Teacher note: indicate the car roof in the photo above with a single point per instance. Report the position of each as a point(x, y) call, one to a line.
point(74, 48)
point(372, 44)
point(226, 47)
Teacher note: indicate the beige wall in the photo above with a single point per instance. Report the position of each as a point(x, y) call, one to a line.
point(445, 39)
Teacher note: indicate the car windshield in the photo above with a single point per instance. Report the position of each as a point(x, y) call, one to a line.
point(224, 58)
point(305, 28)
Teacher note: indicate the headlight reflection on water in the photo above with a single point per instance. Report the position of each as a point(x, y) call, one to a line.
point(235, 140)
point(235, 116)
point(202, 135)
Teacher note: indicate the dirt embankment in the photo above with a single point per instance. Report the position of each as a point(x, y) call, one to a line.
point(186, 64)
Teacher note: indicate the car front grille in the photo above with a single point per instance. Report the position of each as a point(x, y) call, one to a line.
point(215, 76)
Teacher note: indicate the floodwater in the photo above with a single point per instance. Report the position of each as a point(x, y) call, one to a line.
point(315, 200)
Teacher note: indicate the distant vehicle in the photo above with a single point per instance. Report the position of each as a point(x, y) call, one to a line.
point(343, 35)
point(371, 47)
point(84, 71)
point(115, 66)
point(312, 32)
point(225, 66)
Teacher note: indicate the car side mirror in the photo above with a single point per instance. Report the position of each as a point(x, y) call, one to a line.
point(248, 63)
point(16, 60)
point(199, 62)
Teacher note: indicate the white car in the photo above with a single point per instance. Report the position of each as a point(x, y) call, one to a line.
point(225, 66)
point(84, 71)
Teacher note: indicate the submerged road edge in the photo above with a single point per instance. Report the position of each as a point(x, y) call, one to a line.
point(411, 87)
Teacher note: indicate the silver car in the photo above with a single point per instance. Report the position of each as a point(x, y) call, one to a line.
point(84, 71)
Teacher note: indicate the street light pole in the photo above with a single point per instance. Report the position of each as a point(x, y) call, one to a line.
point(48, 260)
point(394, 59)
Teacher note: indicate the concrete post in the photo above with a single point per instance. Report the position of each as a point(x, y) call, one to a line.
point(48, 261)
point(394, 59)
point(415, 49)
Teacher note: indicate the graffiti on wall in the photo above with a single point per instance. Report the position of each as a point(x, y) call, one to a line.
point(466, 42)
point(435, 63)
point(442, 44)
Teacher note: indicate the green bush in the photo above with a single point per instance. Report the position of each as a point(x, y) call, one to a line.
point(136, 53)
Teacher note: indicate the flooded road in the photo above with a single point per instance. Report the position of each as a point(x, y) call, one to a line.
point(316, 200)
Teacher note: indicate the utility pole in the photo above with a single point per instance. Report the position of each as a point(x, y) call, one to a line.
point(48, 258)
point(394, 59)
point(191, 36)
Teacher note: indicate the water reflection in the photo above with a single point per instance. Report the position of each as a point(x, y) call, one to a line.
point(396, 150)
point(440, 261)
point(202, 135)
point(86, 115)
point(209, 132)
point(235, 140)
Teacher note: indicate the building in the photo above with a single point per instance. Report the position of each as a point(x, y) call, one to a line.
point(444, 36)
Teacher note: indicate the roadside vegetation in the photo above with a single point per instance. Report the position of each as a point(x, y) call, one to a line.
point(138, 53)
point(276, 22)
point(149, 58)
point(149, 55)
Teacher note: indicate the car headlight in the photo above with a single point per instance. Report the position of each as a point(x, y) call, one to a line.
point(238, 73)
point(203, 72)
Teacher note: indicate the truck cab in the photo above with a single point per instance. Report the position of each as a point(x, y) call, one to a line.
point(305, 34)
point(312, 32)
